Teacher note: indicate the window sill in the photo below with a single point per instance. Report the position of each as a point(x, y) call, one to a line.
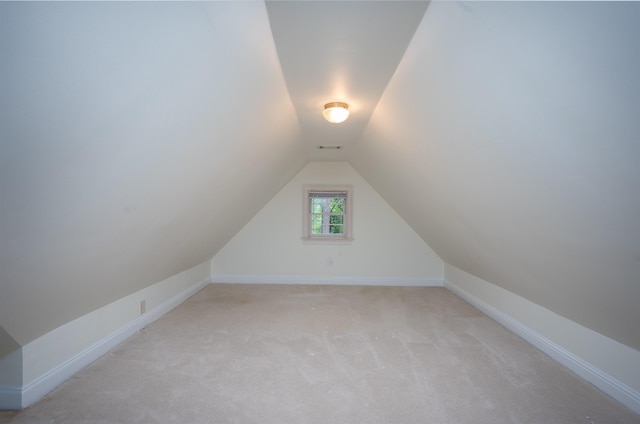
point(326, 240)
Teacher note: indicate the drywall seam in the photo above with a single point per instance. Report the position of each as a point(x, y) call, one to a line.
point(332, 280)
point(48, 381)
point(608, 384)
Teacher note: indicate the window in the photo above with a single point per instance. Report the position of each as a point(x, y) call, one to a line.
point(327, 213)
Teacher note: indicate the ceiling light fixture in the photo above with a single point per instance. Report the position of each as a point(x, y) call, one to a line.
point(336, 112)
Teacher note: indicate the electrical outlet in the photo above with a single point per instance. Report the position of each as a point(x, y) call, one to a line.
point(143, 306)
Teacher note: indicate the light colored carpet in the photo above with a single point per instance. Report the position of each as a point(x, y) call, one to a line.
point(325, 354)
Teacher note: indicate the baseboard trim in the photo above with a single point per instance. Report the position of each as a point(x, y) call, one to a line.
point(608, 384)
point(338, 281)
point(44, 384)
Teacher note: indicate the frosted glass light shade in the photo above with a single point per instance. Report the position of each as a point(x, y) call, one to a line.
point(336, 112)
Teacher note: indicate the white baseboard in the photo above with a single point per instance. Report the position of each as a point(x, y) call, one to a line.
point(48, 381)
point(337, 281)
point(608, 384)
point(16, 398)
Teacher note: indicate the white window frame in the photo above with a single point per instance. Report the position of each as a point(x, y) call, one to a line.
point(348, 213)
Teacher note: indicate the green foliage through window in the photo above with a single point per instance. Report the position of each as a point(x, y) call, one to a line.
point(327, 215)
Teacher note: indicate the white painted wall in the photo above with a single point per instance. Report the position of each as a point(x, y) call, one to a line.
point(608, 364)
point(10, 361)
point(56, 356)
point(124, 128)
point(385, 250)
point(11, 380)
point(513, 127)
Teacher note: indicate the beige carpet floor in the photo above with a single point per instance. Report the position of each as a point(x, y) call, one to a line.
point(325, 354)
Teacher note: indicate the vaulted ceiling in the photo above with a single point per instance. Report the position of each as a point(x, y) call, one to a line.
point(339, 51)
point(138, 138)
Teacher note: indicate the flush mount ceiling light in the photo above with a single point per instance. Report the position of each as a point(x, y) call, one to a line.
point(336, 112)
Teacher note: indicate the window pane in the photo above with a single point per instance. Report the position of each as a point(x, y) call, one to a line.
point(336, 219)
point(316, 205)
point(336, 229)
point(316, 224)
point(336, 205)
